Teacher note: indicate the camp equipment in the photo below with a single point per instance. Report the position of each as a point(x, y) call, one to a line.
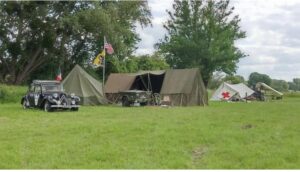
point(267, 92)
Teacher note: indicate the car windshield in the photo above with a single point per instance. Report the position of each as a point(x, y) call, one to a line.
point(52, 88)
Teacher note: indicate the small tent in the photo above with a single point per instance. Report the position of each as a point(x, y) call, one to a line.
point(85, 86)
point(228, 91)
point(267, 91)
point(181, 87)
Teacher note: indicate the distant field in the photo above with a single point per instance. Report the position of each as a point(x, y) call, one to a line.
point(256, 135)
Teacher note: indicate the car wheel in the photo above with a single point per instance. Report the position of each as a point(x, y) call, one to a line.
point(47, 107)
point(24, 104)
point(74, 109)
point(125, 102)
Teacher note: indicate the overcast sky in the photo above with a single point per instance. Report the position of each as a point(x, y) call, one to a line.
point(273, 35)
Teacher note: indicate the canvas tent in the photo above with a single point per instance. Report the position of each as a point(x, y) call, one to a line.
point(181, 86)
point(184, 87)
point(85, 86)
point(118, 82)
point(228, 91)
point(268, 91)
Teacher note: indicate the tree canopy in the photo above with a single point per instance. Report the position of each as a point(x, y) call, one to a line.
point(280, 85)
point(202, 34)
point(256, 77)
point(37, 37)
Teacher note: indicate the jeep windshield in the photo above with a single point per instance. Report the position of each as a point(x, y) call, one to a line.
point(52, 88)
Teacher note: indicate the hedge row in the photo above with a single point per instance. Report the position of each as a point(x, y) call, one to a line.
point(11, 94)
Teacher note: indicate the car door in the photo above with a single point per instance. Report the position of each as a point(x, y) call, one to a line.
point(30, 95)
point(37, 94)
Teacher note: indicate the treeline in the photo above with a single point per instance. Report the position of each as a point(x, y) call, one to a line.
point(255, 77)
point(38, 37)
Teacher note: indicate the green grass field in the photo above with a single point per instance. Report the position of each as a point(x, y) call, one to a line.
point(256, 135)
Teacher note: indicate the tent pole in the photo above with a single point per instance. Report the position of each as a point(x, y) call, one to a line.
point(104, 40)
point(180, 99)
point(149, 82)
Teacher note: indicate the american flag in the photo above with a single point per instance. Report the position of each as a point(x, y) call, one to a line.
point(108, 47)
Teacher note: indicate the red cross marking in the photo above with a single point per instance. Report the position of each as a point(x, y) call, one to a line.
point(225, 95)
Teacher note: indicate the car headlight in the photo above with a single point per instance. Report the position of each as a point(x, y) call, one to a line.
point(55, 95)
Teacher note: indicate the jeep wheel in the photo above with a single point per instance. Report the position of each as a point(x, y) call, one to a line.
point(47, 107)
point(24, 104)
point(74, 109)
point(125, 102)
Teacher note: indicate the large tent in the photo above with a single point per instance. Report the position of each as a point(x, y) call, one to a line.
point(181, 87)
point(85, 86)
point(228, 91)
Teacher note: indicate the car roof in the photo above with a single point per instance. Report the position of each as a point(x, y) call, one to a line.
point(45, 82)
point(133, 91)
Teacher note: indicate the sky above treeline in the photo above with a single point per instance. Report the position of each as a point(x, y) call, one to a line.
point(272, 42)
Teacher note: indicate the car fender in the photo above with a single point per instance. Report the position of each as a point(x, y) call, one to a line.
point(24, 98)
point(44, 100)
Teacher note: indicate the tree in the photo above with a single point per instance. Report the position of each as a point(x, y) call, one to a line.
point(202, 34)
point(256, 77)
point(296, 81)
point(37, 37)
point(215, 81)
point(295, 85)
point(292, 86)
point(153, 62)
point(144, 62)
point(234, 79)
point(280, 85)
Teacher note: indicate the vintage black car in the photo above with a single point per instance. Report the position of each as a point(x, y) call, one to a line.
point(49, 95)
point(131, 97)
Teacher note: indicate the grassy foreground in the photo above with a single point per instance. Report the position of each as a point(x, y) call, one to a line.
point(255, 135)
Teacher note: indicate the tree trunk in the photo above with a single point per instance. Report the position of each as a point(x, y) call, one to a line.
point(32, 64)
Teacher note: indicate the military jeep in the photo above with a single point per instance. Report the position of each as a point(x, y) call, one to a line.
point(49, 95)
point(131, 97)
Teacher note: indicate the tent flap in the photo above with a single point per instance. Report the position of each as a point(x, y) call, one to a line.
point(119, 82)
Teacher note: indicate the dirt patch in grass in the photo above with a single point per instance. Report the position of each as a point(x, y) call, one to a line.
point(3, 119)
point(247, 126)
point(199, 152)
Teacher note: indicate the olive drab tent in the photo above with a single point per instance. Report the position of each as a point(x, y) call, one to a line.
point(85, 86)
point(228, 91)
point(181, 87)
point(184, 87)
point(117, 82)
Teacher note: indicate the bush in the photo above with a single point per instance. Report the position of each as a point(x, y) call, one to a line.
point(11, 94)
point(292, 94)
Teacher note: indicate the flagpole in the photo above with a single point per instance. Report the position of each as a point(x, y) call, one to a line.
point(104, 61)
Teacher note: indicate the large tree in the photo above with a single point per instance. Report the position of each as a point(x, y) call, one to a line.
point(202, 33)
point(256, 77)
point(37, 37)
